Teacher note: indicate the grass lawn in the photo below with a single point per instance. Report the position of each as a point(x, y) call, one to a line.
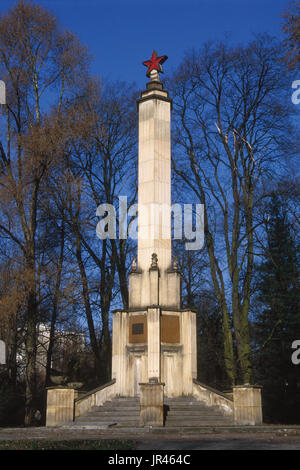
point(67, 445)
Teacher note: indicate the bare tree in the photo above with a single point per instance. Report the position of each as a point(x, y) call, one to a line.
point(37, 58)
point(291, 28)
point(98, 168)
point(230, 132)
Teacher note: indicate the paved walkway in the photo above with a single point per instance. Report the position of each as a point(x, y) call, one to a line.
point(225, 442)
point(254, 438)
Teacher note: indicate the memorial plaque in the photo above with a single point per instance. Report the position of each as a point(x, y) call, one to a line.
point(138, 329)
point(170, 329)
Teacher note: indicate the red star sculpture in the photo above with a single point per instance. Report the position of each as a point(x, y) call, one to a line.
point(155, 63)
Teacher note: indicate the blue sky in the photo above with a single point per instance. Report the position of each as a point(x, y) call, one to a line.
point(121, 34)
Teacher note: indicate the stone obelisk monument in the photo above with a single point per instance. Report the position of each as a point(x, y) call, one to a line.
point(154, 341)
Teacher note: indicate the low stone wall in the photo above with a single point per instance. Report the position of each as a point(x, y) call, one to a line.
point(96, 397)
point(212, 397)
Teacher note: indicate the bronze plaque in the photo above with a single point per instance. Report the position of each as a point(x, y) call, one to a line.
point(138, 329)
point(170, 329)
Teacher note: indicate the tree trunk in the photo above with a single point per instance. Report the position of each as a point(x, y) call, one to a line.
point(55, 306)
point(30, 346)
point(88, 310)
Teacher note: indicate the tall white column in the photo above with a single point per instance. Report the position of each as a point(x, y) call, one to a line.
point(154, 185)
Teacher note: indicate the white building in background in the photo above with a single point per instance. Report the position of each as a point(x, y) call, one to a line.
point(66, 343)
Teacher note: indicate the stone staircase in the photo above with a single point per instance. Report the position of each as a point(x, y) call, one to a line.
point(189, 412)
point(179, 412)
point(120, 411)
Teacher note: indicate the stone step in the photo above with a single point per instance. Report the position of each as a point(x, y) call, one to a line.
point(116, 419)
point(107, 424)
point(190, 405)
point(195, 413)
point(129, 409)
point(190, 412)
point(197, 418)
point(187, 405)
point(127, 425)
point(182, 400)
point(113, 413)
point(120, 399)
point(122, 403)
point(176, 421)
point(196, 424)
point(194, 406)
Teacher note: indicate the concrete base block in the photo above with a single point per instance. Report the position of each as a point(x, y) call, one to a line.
point(60, 405)
point(152, 404)
point(247, 405)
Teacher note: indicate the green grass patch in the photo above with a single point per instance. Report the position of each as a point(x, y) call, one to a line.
point(31, 444)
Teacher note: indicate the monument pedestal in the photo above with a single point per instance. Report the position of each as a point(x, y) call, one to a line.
point(154, 344)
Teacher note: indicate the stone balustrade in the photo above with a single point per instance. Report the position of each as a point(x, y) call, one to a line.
point(96, 397)
point(212, 397)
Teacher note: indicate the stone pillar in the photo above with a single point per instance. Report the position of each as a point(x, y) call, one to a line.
point(60, 405)
point(120, 338)
point(174, 289)
point(189, 351)
point(135, 286)
point(154, 286)
point(247, 405)
point(153, 334)
point(152, 404)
